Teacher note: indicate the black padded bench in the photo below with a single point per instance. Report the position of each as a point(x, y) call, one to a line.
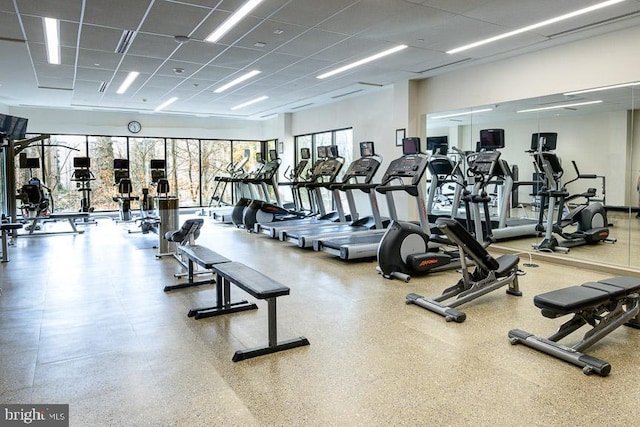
point(489, 274)
point(605, 305)
point(197, 255)
point(257, 285)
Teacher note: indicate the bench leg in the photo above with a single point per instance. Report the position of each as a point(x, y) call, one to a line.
point(223, 303)
point(274, 346)
point(5, 250)
point(190, 282)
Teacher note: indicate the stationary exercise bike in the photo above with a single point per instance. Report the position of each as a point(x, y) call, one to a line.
point(589, 218)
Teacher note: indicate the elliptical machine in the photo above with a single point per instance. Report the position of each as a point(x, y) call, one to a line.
point(406, 249)
point(590, 219)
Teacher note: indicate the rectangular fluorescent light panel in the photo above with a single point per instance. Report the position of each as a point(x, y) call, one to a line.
point(246, 104)
point(447, 116)
point(232, 21)
point(598, 89)
point(557, 107)
point(362, 61)
point(52, 38)
point(534, 26)
point(127, 82)
point(239, 80)
point(166, 103)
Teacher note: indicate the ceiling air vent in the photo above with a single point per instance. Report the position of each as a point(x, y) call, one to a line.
point(103, 87)
point(125, 41)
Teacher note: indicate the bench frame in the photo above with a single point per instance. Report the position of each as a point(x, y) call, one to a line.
point(481, 281)
point(225, 306)
point(189, 252)
point(604, 316)
point(32, 223)
point(7, 228)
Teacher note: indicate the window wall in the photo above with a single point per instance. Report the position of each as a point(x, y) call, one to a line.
point(191, 165)
point(342, 138)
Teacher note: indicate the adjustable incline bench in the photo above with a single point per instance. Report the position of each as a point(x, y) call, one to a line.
point(489, 274)
point(605, 305)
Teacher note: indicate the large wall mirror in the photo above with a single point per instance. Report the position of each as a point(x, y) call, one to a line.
point(599, 130)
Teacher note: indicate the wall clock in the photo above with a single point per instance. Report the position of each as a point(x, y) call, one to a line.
point(134, 126)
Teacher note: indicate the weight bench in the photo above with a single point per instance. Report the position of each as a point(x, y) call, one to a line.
point(605, 305)
point(197, 255)
point(257, 285)
point(6, 228)
point(489, 274)
point(71, 217)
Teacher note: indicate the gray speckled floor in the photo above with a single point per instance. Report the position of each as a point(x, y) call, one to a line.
point(84, 321)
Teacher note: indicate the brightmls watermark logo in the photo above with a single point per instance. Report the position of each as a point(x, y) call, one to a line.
point(34, 415)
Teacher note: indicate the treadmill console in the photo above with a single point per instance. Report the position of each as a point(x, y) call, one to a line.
point(365, 167)
point(328, 168)
point(410, 166)
point(484, 164)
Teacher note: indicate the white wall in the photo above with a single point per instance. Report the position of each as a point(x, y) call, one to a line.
point(599, 61)
point(159, 125)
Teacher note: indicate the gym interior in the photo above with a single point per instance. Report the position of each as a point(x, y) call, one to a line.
point(132, 293)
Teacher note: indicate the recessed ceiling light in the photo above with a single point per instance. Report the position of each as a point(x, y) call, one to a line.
point(232, 21)
point(259, 44)
point(127, 82)
point(246, 104)
point(166, 103)
point(181, 39)
point(52, 38)
point(557, 107)
point(598, 89)
point(278, 31)
point(240, 79)
point(362, 61)
point(446, 116)
point(534, 26)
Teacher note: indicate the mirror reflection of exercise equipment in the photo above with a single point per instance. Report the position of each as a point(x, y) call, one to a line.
point(125, 188)
point(83, 176)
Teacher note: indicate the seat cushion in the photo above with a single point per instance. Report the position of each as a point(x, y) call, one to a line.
point(571, 299)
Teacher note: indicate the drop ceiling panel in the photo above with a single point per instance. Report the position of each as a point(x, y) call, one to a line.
point(10, 27)
point(363, 15)
point(117, 14)
point(237, 57)
point(173, 18)
point(198, 52)
point(7, 6)
point(311, 42)
point(456, 6)
point(93, 75)
point(104, 60)
point(212, 73)
point(311, 12)
point(140, 64)
point(151, 45)
point(272, 33)
point(69, 10)
point(100, 38)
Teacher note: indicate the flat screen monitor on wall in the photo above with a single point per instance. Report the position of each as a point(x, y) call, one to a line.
point(13, 127)
point(545, 141)
point(491, 139)
point(411, 145)
point(438, 144)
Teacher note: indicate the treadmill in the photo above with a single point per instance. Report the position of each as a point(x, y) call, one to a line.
point(324, 173)
point(403, 174)
point(364, 169)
